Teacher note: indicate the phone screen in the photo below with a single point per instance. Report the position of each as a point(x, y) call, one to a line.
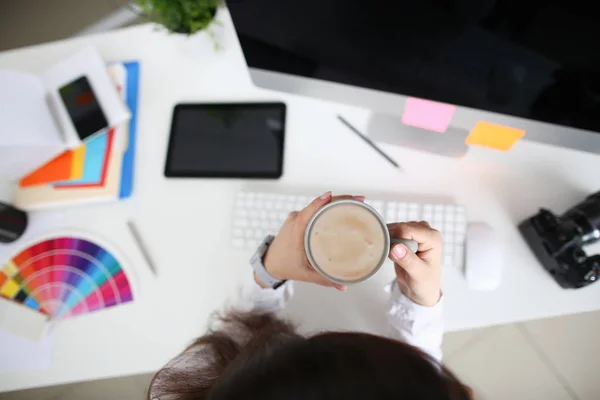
point(83, 107)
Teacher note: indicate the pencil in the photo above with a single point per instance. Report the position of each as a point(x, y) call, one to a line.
point(368, 141)
point(142, 247)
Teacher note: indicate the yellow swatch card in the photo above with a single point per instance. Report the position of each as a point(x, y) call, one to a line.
point(495, 136)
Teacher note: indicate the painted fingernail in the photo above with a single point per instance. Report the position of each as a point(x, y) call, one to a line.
point(325, 195)
point(359, 198)
point(399, 251)
point(341, 288)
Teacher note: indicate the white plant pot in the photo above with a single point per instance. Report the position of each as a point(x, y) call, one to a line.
point(203, 43)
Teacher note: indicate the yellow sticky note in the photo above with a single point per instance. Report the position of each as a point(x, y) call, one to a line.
point(497, 137)
point(9, 289)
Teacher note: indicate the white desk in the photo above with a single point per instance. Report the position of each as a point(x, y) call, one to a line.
point(186, 222)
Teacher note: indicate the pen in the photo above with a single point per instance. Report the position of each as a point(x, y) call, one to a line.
point(138, 239)
point(368, 141)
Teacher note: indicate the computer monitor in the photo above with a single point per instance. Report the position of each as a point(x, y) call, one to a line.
point(533, 65)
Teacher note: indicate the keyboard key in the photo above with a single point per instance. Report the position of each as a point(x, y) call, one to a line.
point(237, 232)
point(242, 223)
point(448, 261)
point(238, 243)
point(377, 204)
point(241, 212)
point(402, 216)
point(274, 226)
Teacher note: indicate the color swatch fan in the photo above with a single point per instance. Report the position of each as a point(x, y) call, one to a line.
point(65, 276)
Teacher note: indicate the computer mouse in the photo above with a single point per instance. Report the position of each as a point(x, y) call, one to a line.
point(12, 223)
point(484, 258)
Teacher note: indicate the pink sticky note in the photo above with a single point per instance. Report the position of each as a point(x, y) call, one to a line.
point(428, 114)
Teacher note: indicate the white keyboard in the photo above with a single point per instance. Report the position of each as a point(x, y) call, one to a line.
point(258, 214)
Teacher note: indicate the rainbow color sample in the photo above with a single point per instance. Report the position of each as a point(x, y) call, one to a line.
point(65, 276)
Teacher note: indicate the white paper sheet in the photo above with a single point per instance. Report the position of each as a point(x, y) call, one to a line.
point(22, 321)
point(20, 354)
point(29, 137)
point(24, 115)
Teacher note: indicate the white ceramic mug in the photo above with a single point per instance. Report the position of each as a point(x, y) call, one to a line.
point(411, 244)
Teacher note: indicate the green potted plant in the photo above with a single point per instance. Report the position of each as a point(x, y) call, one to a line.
point(181, 16)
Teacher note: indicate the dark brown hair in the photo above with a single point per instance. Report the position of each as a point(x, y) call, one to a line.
point(259, 356)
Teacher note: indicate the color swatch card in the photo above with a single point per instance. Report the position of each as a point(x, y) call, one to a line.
point(66, 276)
point(494, 136)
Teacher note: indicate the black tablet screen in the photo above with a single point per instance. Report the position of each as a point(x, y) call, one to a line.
point(226, 140)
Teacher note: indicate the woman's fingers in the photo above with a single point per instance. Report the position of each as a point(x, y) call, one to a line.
point(306, 214)
point(408, 261)
point(427, 238)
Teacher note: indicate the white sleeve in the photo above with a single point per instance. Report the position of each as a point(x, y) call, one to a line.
point(419, 326)
point(252, 297)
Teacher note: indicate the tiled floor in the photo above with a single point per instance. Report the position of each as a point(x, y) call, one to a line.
point(27, 22)
point(552, 359)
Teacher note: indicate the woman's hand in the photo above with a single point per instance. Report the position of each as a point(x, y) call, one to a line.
point(419, 275)
point(286, 258)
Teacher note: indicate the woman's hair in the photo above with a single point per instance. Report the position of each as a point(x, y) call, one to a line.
point(259, 356)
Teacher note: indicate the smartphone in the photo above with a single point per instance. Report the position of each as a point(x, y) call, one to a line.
point(83, 107)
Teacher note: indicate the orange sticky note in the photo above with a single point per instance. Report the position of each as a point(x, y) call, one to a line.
point(495, 136)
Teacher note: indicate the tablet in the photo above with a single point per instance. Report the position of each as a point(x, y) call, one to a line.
point(232, 140)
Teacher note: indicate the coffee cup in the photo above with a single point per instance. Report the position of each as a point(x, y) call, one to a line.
point(347, 241)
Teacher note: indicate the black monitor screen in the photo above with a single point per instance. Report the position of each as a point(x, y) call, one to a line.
point(533, 59)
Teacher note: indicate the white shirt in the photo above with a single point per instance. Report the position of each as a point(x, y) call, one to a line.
point(416, 325)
